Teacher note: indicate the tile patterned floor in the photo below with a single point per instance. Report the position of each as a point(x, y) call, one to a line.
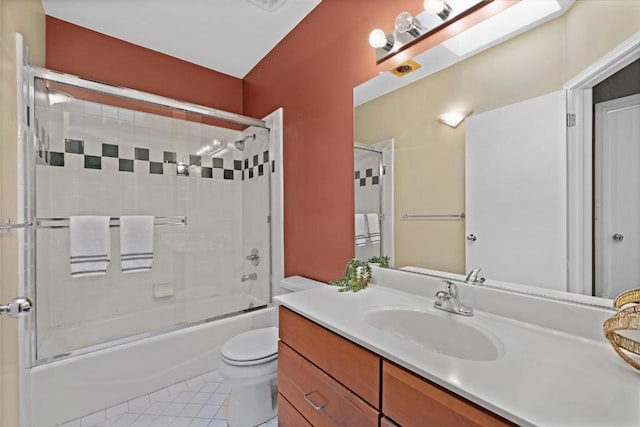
point(198, 402)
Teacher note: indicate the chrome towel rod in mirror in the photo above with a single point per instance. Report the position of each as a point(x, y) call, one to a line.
point(114, 222)
point(6, 225)
point(444, 216)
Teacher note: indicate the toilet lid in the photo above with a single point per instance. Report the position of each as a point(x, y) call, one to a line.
point(251, 347)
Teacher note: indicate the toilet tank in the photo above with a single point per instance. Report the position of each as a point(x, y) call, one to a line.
point(298, 283)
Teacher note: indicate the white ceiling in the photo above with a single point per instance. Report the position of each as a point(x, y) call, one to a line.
point(229, 36)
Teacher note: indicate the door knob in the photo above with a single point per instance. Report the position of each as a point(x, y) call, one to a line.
point(471, 238)
point(618, 237)
point(19, 307)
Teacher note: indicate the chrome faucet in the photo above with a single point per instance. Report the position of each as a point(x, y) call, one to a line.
point(473, 277)
point(448, 301)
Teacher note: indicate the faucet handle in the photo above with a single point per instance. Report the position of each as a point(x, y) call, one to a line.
point(452, 289)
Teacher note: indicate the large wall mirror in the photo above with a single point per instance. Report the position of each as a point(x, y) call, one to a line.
point(512, 189)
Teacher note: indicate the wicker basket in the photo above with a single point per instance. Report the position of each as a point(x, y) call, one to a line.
point(627, 318)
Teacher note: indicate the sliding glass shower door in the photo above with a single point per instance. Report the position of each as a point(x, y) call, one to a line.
point(204, 182)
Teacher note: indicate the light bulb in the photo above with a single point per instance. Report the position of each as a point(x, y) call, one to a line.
point(377, 38)
point(404, 22)
point(434, 6)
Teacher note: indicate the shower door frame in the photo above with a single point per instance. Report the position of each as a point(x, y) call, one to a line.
point(32, 73)
point(381, 172)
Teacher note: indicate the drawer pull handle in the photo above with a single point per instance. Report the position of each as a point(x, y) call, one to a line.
point(312, 403)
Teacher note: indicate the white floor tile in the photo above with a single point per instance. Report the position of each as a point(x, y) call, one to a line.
point(185, 397)
point(162, 421)
point(201, 398)
point(209, 387)
point(208, 411)
point(191, 410)
point(224, 388)
point(174, 409)
point(126, 420)
point(197, 402)
point(200, 422)
point(181, 422)
point(140, 409)
point(144, 420)
point(217, 399)
point(156, 408)
point(221, 414)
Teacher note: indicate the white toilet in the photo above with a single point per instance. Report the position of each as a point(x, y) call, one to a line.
point(249, 364)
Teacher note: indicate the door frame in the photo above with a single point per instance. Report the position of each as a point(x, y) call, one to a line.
point(580, 166)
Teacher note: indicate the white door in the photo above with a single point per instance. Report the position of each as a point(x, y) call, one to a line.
point(515, 177)
point(617, 219)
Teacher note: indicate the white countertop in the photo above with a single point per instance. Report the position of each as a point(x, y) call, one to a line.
point(544, 377)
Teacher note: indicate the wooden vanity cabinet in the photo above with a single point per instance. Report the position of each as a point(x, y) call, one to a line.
point(409, 400)
point(327, 380)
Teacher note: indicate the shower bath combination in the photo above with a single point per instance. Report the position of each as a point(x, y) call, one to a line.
point(152, 163)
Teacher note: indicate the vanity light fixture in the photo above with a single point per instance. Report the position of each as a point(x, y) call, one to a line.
point(409, 29)
point(379, 40)
point(438, 7)
point(453, 118)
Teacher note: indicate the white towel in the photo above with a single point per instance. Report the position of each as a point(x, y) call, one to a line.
point(373, 224)
point(361, 230)
point(90, 245)
point(136, 243)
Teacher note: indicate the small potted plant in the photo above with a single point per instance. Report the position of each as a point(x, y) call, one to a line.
point(357, 275)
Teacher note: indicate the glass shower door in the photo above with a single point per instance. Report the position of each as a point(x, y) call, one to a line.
point(368, 202)
point(206, 185)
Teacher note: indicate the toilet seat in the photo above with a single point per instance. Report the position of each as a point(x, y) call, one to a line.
point(251, 348)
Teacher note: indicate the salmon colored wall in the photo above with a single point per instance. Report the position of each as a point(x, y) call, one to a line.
point(83, 52)
point(311, 74)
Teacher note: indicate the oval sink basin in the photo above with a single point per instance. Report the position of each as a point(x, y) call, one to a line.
point(438, 333)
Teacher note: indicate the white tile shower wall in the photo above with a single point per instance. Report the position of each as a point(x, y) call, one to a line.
point(202, 260)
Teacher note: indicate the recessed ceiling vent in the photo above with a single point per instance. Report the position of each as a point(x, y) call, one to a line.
point(268, 5)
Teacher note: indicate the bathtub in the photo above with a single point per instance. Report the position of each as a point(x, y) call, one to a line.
point(68, 389)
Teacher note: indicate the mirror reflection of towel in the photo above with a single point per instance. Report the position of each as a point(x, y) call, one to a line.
point(373, 222)
point(361, 234)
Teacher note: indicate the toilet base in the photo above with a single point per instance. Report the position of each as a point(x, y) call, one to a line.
point(252, 405)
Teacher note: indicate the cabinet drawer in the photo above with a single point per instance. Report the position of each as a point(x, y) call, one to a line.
point(412, 401)
point(358, 369)
point(288, 416)
point(319, 398)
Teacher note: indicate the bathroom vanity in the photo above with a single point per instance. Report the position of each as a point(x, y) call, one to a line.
point(328, 380)
point(385, 357)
